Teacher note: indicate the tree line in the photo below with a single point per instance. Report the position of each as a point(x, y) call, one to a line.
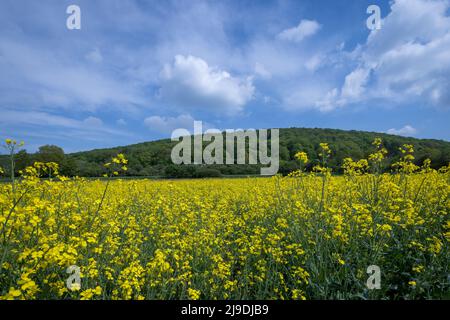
point(152, 159)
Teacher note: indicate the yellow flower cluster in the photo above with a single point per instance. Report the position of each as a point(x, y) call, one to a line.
point(118, 163)
point(11, 142)
point(355, 167)
point(302, 157)
point(300, 237)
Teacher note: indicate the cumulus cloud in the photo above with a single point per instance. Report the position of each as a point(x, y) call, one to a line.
point(406, 131)
point(328, 102)
point(191, 83)
point(305, 28)
point(354, 84)
point(408, 59)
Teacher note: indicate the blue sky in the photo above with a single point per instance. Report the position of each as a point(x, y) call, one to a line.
point(139, 69)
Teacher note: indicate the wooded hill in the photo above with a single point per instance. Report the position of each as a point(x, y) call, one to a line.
point(153, 158)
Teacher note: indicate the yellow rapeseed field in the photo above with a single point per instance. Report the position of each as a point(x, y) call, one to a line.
point(306, 236)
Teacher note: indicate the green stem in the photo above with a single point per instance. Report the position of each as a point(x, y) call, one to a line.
point(12, 173)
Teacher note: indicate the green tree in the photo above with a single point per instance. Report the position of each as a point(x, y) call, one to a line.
point(50, 153)
point(23, 160)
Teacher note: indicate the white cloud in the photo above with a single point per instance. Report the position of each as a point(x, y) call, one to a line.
point(406, 131)
point(276, 58)
point(168, 124)
point(261, 71)
point(62, 125)
point(313, 63)
point(407, 60)
point(191, 83)
point(354, 84)
point(305, 28)
point(45, 79)
point(328, 102)
point(312, 95)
